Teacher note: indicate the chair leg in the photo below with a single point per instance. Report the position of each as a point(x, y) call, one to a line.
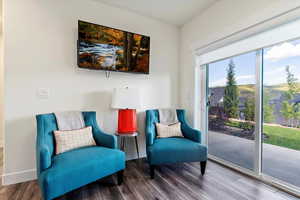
point(203, 166)
point(152, 171)
point(120, 177)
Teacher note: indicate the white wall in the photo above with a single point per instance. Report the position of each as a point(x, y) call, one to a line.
point(1, 93)
point(1, 82)
point(220, 20)
point(40, 52)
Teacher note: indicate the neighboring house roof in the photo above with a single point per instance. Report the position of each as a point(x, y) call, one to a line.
point(216, 95)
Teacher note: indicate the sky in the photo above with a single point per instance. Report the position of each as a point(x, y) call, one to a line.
point(275, 60)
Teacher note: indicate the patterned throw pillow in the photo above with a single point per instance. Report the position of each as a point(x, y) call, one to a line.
point(68, 140)
point(164, 131)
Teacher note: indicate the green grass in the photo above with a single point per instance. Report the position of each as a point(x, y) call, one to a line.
point(282, 136)
point(276, 135)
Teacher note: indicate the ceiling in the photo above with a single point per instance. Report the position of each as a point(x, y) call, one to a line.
point(176, 12)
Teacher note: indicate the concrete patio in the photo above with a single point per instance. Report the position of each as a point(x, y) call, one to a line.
point(279, 162)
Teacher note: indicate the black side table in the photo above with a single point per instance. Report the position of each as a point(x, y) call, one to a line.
point(123, 137)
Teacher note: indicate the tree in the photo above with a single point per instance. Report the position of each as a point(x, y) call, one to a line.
point(289, 109)
point(268, 109)
point(128, 44)
point(143, 42)
point(231, 100)
point(249, 110)
point(292, 84)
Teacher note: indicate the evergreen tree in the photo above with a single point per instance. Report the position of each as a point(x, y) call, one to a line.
point(249, 110)
point(290, 110)
point(292, 84)
point(231, 100)
point(268, 109)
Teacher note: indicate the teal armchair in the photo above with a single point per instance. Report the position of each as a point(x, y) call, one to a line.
point(186, 149)
point(59, 174)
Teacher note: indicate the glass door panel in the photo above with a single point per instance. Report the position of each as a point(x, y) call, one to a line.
point(231, 110)
point(281, 110)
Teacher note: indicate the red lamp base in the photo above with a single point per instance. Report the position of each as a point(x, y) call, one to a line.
point(127, 121)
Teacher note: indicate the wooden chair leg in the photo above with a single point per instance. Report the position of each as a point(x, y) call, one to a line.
point(203, 167)
point(152, 171)
point(120, 177)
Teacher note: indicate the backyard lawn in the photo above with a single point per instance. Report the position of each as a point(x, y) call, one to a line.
point(282, 136)
point(276, 135)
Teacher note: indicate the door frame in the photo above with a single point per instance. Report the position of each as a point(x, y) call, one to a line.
point(201, 115)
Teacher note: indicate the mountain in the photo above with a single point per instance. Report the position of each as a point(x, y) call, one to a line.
point(249, 89)
point(274, 92)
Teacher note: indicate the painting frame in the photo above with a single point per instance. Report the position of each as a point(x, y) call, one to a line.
point(105, 48)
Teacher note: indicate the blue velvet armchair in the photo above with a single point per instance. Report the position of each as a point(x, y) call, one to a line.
point(59, 174)
point(174, 149)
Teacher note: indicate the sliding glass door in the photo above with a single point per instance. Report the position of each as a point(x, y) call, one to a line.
point(281, 105)
point(253, 112)
point(231, 110)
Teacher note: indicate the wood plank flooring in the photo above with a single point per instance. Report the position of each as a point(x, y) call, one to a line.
point(175, 182)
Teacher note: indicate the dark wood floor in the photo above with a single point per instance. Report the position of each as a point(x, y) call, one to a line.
point(175, 182)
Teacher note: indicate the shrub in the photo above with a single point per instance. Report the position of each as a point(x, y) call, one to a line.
point(246, 126)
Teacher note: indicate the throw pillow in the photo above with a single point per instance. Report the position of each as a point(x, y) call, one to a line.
point(164, 131)
point(68, 140)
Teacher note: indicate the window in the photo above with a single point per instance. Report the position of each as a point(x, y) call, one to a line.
point(232, 107)
point(281, 110)
point(253, 112)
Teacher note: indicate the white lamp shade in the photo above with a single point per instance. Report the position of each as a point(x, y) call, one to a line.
point(126, 98)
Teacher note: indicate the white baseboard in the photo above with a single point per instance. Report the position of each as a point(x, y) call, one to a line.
point(18, 177)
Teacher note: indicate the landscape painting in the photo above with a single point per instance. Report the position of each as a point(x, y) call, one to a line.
point(105, 48)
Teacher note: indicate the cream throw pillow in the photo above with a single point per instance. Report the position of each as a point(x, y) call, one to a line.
point(164, 131)
point(68, 140)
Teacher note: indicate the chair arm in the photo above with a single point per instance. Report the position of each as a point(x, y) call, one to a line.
point(150, 136)
point(190, 133)
point(106, 140)
point(44, 158)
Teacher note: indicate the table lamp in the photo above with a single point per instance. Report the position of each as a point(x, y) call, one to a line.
point(127, 100)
